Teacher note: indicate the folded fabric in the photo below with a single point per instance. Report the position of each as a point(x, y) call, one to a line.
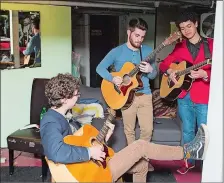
point(84, 113)
point(88, 101)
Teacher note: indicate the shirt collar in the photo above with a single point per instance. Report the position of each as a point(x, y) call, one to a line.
point(197, 45)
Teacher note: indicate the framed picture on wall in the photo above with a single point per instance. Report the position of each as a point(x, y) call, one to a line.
point(29, 38)
point(5, 58)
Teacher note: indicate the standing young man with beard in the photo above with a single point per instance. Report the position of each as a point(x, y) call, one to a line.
point(142, 104)
point(192, 105)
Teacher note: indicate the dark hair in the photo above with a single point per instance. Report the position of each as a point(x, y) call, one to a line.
point(60, 87)
point(137, 23)
point(36, 23)
point(186, 16)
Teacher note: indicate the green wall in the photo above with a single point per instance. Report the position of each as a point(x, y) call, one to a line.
point(56, 58)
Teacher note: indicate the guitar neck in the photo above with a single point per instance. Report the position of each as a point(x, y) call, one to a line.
point(152, 55)
point(194, 67)
point(103, 132)
point(147, 59)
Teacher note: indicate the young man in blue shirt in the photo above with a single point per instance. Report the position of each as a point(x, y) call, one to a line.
point(34, 44)
point(142, 105)
point(62, 92)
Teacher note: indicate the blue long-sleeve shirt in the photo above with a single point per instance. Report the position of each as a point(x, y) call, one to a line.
point(53, 128)
point(119, 56)
point(34, 46)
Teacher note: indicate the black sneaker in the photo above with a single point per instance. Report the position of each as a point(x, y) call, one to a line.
point(197, 148)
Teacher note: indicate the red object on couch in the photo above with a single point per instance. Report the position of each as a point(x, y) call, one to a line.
point(5, 45)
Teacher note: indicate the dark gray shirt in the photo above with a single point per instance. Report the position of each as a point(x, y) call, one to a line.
point(194, 48)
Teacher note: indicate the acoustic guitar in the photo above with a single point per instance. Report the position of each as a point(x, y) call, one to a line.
point(169, 90)
point(122, 96)
point(90, 171)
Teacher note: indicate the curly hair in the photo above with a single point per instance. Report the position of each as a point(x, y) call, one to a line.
point(60, 87)
point(186, 16)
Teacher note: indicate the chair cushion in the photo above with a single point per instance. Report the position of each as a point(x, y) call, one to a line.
point(27, 140)
point(166, 131)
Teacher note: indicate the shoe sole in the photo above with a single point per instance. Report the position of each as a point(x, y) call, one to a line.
point(207, 139)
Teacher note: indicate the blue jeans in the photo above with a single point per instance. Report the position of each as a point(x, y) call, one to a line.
point(192, 116)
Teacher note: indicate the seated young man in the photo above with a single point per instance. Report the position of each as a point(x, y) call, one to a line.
point(62, 92)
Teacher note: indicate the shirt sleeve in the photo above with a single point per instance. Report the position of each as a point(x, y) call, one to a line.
point(30, 47)
point(164, 65)
point(102, 68)
point(56, 150)
point(153, 74)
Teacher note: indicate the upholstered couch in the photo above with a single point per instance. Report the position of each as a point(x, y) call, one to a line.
point(166, 130)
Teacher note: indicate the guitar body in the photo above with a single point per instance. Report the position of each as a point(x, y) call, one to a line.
point(123, 96)
point(89, 171)
point(169, 90)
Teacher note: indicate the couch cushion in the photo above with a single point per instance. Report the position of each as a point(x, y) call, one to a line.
point(118, 139)
point(166, 131)
point(89, 92)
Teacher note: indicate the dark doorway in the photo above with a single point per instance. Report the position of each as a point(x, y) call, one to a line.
point(104, 35)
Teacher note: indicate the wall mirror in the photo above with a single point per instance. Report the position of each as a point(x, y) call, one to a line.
point(20, 39)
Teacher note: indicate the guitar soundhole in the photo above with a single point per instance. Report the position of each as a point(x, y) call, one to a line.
point(171, 83)
point(126, 80)
point(124, 86)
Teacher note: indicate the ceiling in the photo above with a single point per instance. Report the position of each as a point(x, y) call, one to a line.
point(151, 3)
point(139, 3)
point(139, 6)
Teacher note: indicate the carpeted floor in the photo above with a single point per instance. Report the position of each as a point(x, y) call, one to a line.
point(22, 174)
point(156, 176)
point(33, 174)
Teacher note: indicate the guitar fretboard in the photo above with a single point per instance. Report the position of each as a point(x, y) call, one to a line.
point(103, 132)
point(196, 66)
point(147, 59)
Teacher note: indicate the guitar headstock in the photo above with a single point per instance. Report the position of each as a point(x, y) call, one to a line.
point(112, 114)
point(172, 38)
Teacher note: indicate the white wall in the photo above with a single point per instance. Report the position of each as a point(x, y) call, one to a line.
point(56, 58)
point(213, 164)
point(81, 43)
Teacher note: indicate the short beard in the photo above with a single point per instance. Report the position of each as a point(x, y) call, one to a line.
point(132, 43)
